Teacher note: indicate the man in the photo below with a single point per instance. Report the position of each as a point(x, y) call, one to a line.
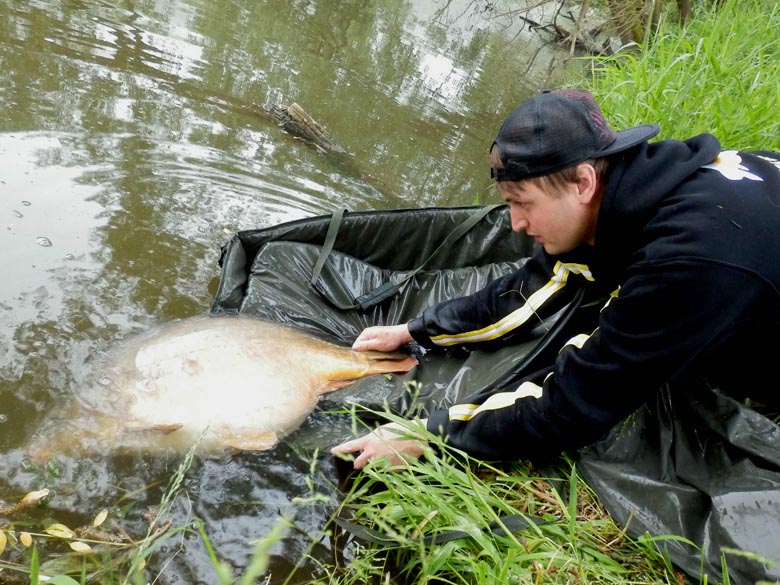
point(681, 237)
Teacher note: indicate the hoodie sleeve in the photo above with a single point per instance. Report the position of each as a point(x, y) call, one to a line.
point(510, 306)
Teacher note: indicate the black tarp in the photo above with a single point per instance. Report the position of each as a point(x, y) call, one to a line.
point(693, 463)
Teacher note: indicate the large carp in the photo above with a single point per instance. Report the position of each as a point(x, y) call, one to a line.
point(225, 381)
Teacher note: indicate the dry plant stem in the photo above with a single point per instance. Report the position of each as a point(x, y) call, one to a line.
point(578, 28)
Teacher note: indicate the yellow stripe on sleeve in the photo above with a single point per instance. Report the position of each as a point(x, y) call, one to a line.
point(577, 341)
point(521, 315)
point(465, 412)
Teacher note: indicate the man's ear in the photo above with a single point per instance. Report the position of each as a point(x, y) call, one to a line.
point(587, 183)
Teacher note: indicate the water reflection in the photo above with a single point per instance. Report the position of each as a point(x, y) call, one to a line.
point(132, 143)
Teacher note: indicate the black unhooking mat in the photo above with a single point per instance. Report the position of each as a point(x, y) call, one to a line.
point(694, 465)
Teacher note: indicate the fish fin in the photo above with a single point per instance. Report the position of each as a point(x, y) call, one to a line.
point(165, 429)
point(259, 441)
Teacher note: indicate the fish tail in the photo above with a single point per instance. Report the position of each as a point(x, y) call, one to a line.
point(383, 363)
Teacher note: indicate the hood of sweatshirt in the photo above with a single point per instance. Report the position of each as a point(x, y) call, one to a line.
point(636, 184)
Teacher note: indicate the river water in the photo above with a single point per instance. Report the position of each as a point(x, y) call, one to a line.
point(131, 147)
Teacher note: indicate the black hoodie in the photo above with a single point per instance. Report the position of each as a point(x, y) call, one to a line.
point(687, 247)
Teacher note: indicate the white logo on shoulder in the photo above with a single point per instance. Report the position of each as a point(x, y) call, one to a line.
point(772, 161)
point(729, 164)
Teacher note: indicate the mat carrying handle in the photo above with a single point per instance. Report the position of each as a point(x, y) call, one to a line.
point(386, 290)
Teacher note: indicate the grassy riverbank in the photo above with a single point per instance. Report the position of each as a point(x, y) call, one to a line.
point(717, 75)
point(569, 537)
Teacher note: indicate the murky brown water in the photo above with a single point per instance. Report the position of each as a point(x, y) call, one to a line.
point(130, 149)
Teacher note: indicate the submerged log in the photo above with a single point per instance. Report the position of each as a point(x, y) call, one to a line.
point(296, 121)
point(293, 119)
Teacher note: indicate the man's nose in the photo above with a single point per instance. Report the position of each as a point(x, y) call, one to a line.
point(519, 222)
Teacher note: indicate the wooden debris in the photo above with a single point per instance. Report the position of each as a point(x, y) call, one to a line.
point(295, 120)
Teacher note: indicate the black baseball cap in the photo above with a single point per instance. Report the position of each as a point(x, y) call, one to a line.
point(556, 129)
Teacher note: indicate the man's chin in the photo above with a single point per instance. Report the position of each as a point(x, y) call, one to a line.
point(554, 250)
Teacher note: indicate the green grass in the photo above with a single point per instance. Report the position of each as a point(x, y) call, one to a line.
point(718, 74)
point(448, 492)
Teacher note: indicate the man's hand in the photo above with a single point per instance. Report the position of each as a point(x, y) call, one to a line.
point(392, 441)
point(382, 338)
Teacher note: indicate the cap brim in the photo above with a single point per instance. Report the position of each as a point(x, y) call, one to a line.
point(626, 139)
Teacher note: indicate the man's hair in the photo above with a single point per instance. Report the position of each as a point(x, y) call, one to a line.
point(554, 182)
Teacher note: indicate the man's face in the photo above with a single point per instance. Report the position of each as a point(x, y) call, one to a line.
point(560, 222)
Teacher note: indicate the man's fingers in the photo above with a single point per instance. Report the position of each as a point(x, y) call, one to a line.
point(361, 460)
point(348, 447)
point(367, 340)
point(354, 446)
point(385, 442)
